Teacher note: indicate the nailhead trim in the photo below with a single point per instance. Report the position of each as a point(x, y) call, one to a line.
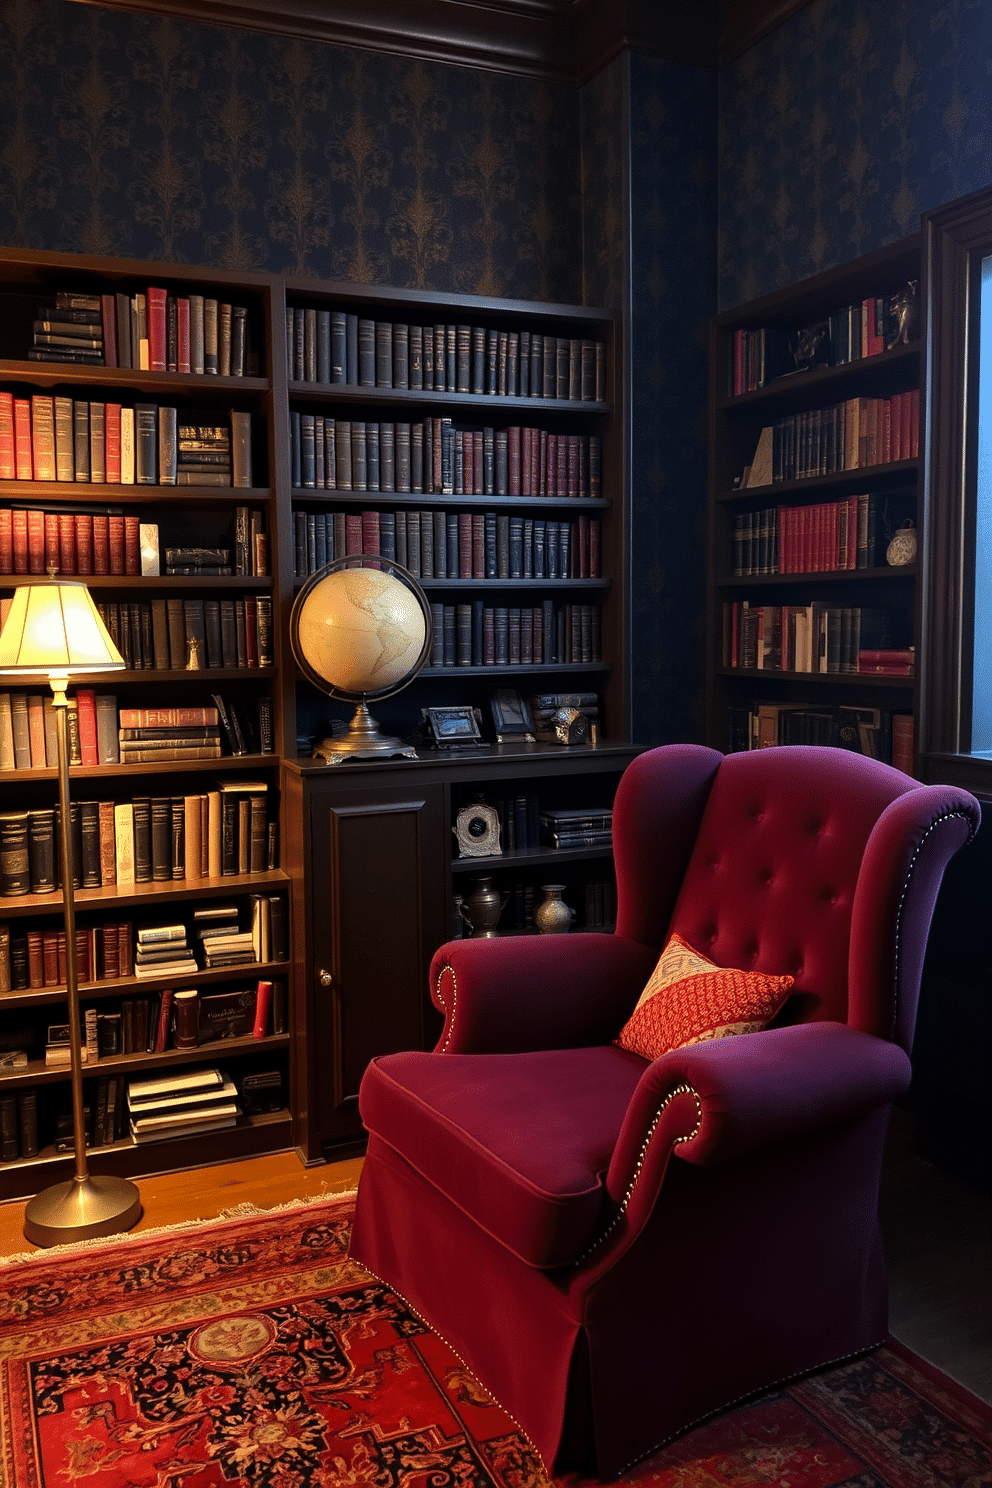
point(947, 816)
point(687, 1137)
point(454, 1004)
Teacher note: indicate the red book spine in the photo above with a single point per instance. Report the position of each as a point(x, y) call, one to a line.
point(182, 335)
point(550, 465)
point(914, 424)
point(8, 464)
point(23, 457)
point(67, 542)
point(370, 532)
point(50, 956)
point(263, 1005)
point(538, 634)
point(108, 314)
point(36, 542)
point(155, 311)
point(19, 540)
point(464, 545)
point(112, 443)
point(36, 963)
point(595, 547)
point(573, 464)
point(84, 543)
point(6, 540)
point(513, 459)
point(86, 705)
point(903, 746)
point(115, 543)
point(132, 545)
point(352, 534)
point(101, 544)
point(526, 458)
point(52, 559)
point(561, 467)
point(164, 1014)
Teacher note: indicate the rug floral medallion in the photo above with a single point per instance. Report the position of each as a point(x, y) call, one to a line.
point(252, 1351)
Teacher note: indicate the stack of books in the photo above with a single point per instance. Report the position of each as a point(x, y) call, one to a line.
point(578, 826)
point(71, 330)
point(162, 950)
point(173, 737)
point(204, 455)
point(221, 941)
point(185, 1104)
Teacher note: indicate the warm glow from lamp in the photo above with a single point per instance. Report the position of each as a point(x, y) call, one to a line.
point(54, 627)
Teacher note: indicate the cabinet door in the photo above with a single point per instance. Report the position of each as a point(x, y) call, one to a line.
point(377, 912)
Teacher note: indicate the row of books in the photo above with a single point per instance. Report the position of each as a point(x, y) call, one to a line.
point(219, 833)
point(452, 545)
point(862, 329)
point(478, 634)
point(341, 346)
point(152, 331)
point(435, 458)
point(107, 950)
point(824, 537)
point(100, 734)
point(853, 435)
point(176, 634)
point(878, 733)
point(157, 1103)
point(46, 438)
point(73, 541)
point(818, 637)
point(593, 899)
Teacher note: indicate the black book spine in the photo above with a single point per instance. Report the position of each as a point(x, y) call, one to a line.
point(89, 821)
point(27, 1122)
point(228, 833)
point(41, 850)
point(141, 812)
point(161, 837)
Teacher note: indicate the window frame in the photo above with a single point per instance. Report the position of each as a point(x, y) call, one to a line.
point(956, 238)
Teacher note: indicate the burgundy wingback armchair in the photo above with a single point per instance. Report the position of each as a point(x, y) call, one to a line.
point(619, 1247)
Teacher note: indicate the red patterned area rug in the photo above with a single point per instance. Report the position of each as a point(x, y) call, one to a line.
point(252, 1351)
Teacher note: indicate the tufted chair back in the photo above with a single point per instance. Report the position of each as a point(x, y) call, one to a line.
point(801, 863)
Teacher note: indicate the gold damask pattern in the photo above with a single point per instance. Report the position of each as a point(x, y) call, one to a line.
point(841, 127)
point(141, 136)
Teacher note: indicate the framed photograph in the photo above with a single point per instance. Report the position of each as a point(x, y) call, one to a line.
point(511, 716)
point(452, 728)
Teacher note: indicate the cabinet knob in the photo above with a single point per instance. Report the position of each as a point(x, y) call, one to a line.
point(325, 978)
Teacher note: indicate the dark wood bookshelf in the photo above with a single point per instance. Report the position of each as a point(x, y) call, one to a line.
point(735, 421)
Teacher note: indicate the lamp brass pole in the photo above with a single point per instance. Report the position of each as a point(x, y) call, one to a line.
point(85, 1207)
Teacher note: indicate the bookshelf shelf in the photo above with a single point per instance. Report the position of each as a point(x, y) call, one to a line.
point(837, 451)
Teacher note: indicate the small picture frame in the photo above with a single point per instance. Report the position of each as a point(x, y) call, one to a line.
point(511, 716)
point(453, 728)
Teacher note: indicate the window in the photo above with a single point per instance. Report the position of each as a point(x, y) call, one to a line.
point(956, 732)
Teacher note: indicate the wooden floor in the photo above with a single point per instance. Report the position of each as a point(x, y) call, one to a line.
point(202, 1193)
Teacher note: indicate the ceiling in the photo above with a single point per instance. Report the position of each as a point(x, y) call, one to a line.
point(559, 40)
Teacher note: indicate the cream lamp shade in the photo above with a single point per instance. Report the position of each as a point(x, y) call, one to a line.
point(53, 626)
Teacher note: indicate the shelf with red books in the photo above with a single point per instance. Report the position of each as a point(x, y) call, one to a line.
point(814, 470)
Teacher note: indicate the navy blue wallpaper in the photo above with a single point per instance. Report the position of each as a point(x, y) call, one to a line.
point(141, 136)
point(841, 127)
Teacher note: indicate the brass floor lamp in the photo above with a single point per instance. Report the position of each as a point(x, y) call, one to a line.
point(53, 630)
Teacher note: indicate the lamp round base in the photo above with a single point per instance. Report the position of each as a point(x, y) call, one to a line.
point(82, 1209)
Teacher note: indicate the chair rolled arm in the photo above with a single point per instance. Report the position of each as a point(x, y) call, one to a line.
point(529, 992)
point(759, 1088)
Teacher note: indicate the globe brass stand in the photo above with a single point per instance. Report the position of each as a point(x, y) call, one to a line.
point(335, 664)
point(54, 629)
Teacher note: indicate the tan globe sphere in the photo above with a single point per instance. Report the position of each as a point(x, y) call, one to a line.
point(362, 630)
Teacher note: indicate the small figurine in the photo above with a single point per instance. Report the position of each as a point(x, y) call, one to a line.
point(904, 310)
point(194, 661)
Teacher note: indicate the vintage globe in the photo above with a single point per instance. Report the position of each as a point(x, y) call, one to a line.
point(361, 628)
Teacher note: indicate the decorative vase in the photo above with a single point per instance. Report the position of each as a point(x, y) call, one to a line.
point(553, 916)
point(482, 908)
point(902, 548)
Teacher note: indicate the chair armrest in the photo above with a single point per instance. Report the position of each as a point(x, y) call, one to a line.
point(529, 992)
point(754, 1089)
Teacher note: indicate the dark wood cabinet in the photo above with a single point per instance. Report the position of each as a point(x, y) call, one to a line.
point(376, 874)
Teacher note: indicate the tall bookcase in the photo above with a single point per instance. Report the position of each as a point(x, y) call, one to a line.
point(814, 468)
point(142, 599)
point(344, 837)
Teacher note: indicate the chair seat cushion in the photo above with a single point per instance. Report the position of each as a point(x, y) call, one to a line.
point(520, 1142)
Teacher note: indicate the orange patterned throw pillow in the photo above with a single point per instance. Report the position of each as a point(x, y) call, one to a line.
point(689, 999)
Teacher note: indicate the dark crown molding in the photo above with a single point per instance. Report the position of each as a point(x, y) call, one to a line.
point(564, 41)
